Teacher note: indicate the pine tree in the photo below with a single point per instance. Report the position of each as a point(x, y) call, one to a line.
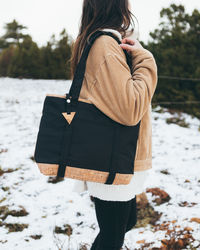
point(13, 34)
point(26, 60)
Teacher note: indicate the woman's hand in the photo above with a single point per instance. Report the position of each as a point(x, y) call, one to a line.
point(130, 44)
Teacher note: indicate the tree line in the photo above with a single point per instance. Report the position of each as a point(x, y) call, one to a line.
point(175, 45)
point(176, 48)
point(21, 57)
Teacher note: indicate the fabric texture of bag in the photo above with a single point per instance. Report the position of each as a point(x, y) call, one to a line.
point(76, 140)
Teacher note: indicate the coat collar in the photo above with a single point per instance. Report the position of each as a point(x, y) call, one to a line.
point(116, 32)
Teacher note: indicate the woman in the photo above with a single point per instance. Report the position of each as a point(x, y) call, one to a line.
point(125, 98)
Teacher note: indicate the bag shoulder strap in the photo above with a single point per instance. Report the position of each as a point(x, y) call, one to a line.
point(76, 85)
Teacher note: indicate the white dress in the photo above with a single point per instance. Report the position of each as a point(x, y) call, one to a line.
point(114, 192)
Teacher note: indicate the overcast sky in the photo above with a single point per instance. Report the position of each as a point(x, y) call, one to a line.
point(45, 17)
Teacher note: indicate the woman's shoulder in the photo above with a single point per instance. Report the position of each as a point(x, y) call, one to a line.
point(106, 45)
point(101, 50)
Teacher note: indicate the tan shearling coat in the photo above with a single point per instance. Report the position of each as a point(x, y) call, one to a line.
point(125, 98)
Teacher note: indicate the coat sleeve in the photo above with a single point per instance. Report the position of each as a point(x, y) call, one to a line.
point(118, 94)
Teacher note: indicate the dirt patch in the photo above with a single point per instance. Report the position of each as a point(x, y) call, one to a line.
point(197, 220)
point(187, 204)
point(4, 212)
point(162, 196)
point(3, 241)
point(36, 236)
point(146, 215)
point(5, 189)
point(15, 227)
point(65, 229)
point(145, 212)
point(165, 171)
point(9, 170)
point(175, 237)
point(3, 150)
point(3, 199)
point(179, 121)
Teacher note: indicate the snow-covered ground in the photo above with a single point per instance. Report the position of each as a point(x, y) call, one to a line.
point(175, 149)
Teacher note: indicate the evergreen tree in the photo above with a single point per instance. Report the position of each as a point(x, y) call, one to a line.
point(26, 60)
point(47, 62)
point(13, 34)
point(55, 57)
point(5, 60)
point(62, 54)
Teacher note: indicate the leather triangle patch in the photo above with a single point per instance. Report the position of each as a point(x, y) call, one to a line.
point(69, 117)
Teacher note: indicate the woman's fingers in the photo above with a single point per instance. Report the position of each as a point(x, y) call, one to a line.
point(126, 46)
point(128, 40)
point(130, 44)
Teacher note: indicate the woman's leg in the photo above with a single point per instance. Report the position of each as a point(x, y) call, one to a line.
point(112, 217)
point(133, 215)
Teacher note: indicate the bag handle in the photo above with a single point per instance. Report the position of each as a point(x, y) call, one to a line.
point(76, 85)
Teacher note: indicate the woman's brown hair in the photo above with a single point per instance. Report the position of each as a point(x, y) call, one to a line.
point(99, 14)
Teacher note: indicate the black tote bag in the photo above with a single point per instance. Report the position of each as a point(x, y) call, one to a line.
point(77, 140)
